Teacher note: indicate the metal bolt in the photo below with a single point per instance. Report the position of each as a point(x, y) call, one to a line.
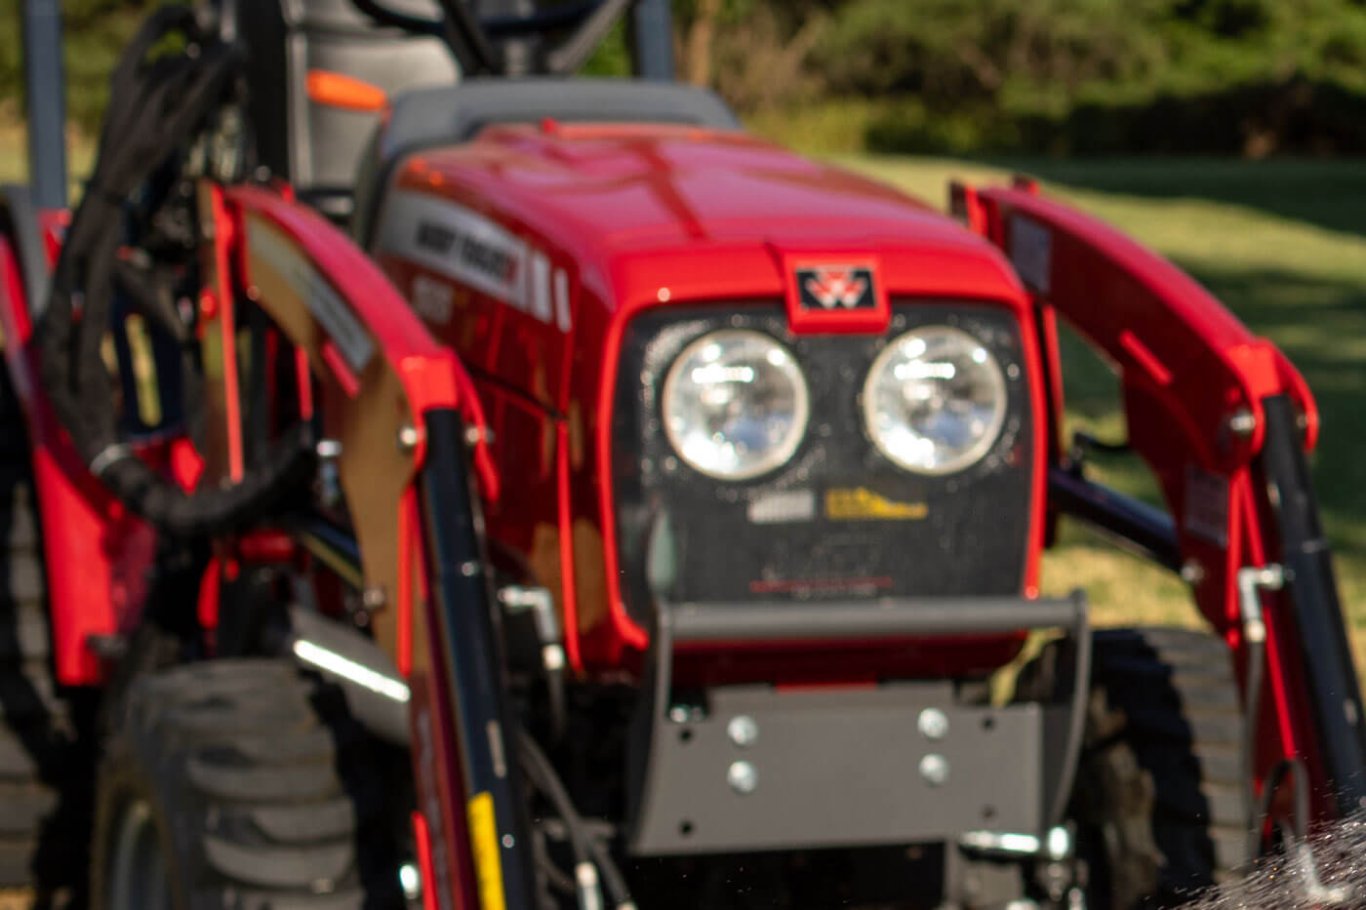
point(743, 777)
point(934, 770)
point(475, 435)
point(411, 880)
point(408, 438)
point(373, 598)
point(1243, 423)
point(469, 568)
point(678, 714)
point(1192, 572)
point(1058, 844)
point(329, 448)
point(933, 724)
point(742, 730)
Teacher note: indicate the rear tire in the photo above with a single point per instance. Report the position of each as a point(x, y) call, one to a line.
point(1160, 800)
point(223, 784)
point(44, 783)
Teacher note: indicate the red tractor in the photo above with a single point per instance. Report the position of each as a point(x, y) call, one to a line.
point(430, 488)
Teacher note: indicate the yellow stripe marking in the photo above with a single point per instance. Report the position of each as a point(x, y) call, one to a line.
point(488, 865)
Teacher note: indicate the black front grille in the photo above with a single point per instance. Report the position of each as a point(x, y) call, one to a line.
point(807, 530)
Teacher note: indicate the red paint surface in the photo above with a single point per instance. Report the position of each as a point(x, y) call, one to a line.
point(1186, 365)
point(422, 838)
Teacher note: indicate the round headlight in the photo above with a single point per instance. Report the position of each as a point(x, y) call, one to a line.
point(935, 400)
point(735, 404)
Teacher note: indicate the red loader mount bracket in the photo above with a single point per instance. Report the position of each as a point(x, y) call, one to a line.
point(429, 488)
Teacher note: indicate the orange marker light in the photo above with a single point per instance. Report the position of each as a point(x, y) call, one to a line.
point(347, 92)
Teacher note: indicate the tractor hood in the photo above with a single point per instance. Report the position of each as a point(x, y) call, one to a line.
point(629, 186)
point(605, 193)
point(579, 226)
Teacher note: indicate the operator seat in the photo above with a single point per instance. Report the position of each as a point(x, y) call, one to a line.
point(316, 147)
point(433, 117)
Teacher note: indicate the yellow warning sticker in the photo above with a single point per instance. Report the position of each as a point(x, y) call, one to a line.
point(862, 504)
point(488, 865)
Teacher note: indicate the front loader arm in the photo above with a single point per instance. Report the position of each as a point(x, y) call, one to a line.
point(411, 442)
point(1225, 422)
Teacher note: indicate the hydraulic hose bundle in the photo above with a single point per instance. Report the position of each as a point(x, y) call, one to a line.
point(136, 232)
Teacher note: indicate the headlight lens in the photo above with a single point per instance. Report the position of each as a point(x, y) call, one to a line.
point(735, 404)
point(935, 400)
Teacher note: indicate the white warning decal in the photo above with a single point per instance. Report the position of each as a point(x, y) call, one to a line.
point(1031, 252)
point(326, 305)
point(472, 249)
point(1206, 506)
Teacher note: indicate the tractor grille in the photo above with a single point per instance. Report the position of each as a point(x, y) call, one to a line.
point(839, 519)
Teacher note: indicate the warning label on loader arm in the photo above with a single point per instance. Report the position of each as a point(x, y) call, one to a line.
point(488, 865)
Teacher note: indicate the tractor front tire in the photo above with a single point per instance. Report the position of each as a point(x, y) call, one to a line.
point(1160, 800)
point(232, 784)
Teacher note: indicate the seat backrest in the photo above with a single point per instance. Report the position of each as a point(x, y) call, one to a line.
point(316, 147)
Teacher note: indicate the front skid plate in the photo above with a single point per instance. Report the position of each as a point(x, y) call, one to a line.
point(844, 768)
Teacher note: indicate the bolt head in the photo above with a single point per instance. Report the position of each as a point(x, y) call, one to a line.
point(1058, 843)
point(1243, 423)
point(742, 730)
point(1192, 572)
point(743, 777)
point(933, 724)
point(934, 770)
point(408, 438)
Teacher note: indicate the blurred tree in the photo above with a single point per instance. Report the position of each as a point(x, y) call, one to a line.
point(962, 75)
point(94, 31)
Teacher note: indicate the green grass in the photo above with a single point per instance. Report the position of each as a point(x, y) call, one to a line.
point(1281, 243)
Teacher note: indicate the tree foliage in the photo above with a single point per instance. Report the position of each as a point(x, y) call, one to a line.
point(95, 31)
point(1243, 76)
point(1249, 76)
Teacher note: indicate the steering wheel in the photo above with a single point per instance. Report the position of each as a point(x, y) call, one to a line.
point(476, 44)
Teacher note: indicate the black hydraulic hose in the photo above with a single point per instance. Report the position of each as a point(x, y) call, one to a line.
point(160, 101)
point(547, 782)
point(555, 878)
point(1300, 809)
point(586, 848)
point(556, 702)
point(612, 879)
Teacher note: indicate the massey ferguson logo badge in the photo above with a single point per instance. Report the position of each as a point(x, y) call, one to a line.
point(834, 287)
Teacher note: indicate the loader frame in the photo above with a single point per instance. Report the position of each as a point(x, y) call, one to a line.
point(1235, 476)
